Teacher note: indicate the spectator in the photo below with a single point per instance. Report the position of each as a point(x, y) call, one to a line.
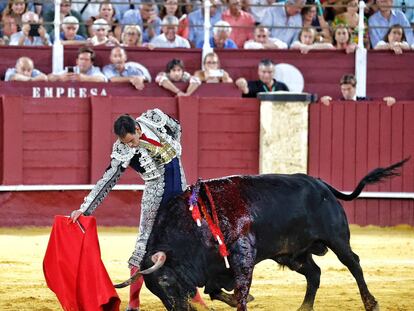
point(258, 8)
point(221, 37)
point(146, 18)
point(171, 8)
point(191, 5)
point(241, 22)
point(342, 39)
point(263, 41)
point(32, 34)
point(86, 8)
point(384, 18)
point(394, 40)
point(131, 36)
point(212, 72)
point(121, 71)
point(312, 16)
point(12, 17)
point(307, 42)
point(285, 20)
point(407, 7)
point(24, 71)
point(348, 89)
point(350, 18)
point(70, 27)
point(65, 10)
point(196, 23)
point(84, 71)
point(101, 36)
point(169, 37)
point(266, 82)
point(121, 6)
point(175, 73)
point(106, 12)
point(333, 8)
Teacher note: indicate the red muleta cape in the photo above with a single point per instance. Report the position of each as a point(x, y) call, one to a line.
point(74, 270)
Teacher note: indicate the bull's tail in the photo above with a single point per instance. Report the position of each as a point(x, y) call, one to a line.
point(371, 178)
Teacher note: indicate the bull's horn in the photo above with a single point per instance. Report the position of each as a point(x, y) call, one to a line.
point(158, 259)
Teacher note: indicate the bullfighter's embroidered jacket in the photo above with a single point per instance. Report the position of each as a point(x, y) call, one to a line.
point(150, 162)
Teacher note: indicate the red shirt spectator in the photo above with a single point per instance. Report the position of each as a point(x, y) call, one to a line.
point(241, 22)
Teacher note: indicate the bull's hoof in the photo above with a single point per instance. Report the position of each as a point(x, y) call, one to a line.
point(229, 299)
point(305, 307)
point(377, 307)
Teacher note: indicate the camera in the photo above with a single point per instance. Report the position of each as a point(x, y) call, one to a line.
point(216, 73)
point(34, 30)
point(70, 69)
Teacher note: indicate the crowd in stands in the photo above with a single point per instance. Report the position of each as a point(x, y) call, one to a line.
point(303, 25)
point(180, 23)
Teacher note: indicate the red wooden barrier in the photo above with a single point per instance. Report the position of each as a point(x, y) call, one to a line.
point(46, 141)
point(346, 140)
point(390, 74)
point(37, 208)
point(1, 140)
point(68, 141)
point(87, 89)
point(228, 141)
point(321, 69)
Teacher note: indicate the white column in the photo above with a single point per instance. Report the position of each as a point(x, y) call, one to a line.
point(207, 25)
point(361, 56)
point(57, 58)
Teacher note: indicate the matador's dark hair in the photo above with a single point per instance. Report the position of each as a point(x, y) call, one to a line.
point(124, 125)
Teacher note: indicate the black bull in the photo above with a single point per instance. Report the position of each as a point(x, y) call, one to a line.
point(286, 218)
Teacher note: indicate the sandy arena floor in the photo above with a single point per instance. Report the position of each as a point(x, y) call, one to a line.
point(387, 257)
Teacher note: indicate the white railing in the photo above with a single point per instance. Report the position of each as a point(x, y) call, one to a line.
point(361, 55)
point(57, 58)
point(18, 188)
point(207, 26)
point(22, 188)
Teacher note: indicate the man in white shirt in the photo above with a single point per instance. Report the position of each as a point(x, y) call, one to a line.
point(169, 37)
point(284, 20)
point(259, 7)
point(262, 40)
point(119, 70)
